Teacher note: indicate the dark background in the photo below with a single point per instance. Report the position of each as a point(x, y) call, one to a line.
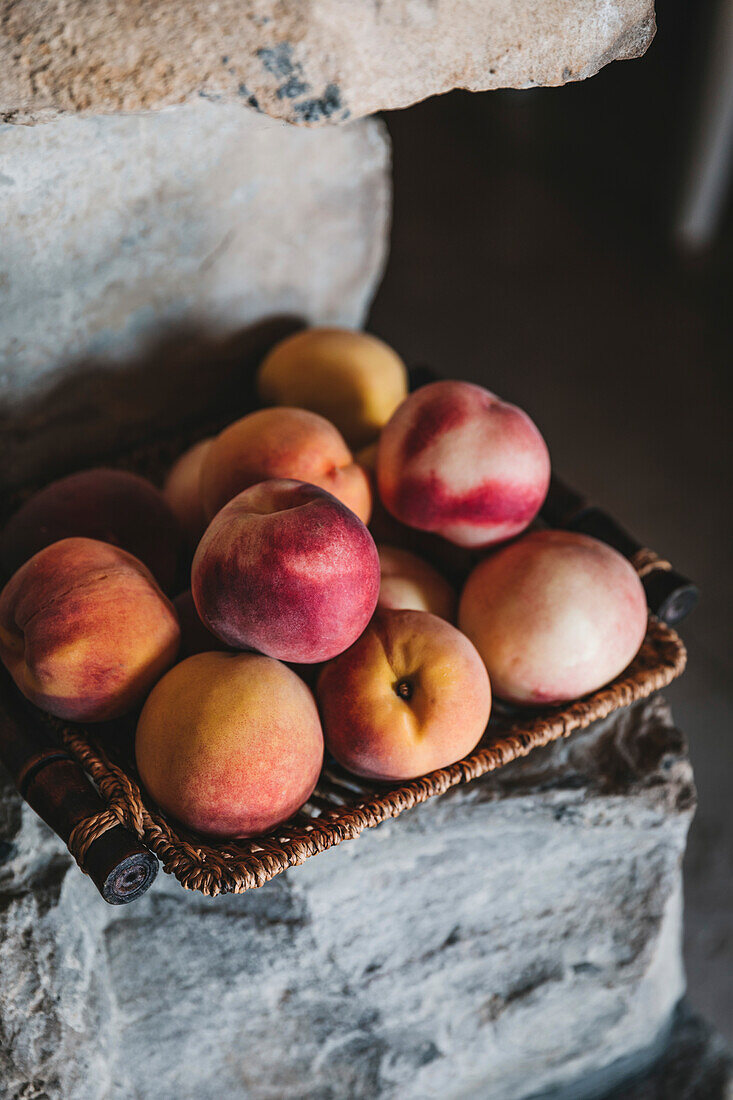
point(534, 250)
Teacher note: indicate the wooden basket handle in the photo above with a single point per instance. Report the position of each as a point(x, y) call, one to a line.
point(54, 785)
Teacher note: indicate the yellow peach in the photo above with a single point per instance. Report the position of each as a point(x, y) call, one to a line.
point(353, 379)
point(229, 744)
point(409, 696)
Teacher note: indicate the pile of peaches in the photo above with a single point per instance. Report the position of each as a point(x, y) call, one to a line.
point(275, 521)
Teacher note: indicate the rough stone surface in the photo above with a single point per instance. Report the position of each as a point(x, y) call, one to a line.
point(137, 250)
point(510, 938)
point(309, 63)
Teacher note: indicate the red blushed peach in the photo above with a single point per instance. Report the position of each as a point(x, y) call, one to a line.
point(409, 583)
point(411, 695)
point(282, 443)
point(229, 744)
point(288, 570)
point(85, 631)
point(112, 506)
point(182, 491)
point(554, 616)
point(457, 461)
point(195, 637)
point(454, 561)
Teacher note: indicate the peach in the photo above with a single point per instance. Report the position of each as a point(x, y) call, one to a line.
point(287, 569)
point(85, 631)
point(353, 379)
point(109, 505)
point(229, 744)
point(182, 491)
point(195, 637)
point(454, 561)
point(409, 583)
point(554, 615)
point(457, 461)
point(282, 443)
point(411, 695)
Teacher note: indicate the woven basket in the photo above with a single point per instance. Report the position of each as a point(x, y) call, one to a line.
point(342, 805)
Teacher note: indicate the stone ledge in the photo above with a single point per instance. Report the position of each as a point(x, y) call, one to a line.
point(142, 253)
point(522, 931)
point(323, 62)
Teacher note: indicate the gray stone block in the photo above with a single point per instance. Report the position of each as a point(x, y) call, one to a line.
point(311, 64)
point(137, 251)
point(508, 939)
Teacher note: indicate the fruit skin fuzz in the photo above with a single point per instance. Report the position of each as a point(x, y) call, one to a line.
point(411, 695)
point(457, 461)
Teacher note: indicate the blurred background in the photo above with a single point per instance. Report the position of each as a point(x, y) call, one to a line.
point(572, 250)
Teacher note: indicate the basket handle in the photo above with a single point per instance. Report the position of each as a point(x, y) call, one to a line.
point(54, 785)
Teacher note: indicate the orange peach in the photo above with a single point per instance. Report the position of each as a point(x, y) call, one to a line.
point(286, 569)
point(409, 583)
point(411, 695)
point(182, 490)
point(353, 379)
point(109, 505)
point(229, 744)
point(85, 631)
point(282, 443)
point(554, 615)
point(457, 461)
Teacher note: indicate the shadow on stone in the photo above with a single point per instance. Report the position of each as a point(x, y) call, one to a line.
point(94, 410)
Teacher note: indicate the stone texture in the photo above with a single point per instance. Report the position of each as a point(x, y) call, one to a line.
point(137, 250)
point(506, 940)
point(324, 61)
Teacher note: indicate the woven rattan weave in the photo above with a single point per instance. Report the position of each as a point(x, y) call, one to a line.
point(344, 806)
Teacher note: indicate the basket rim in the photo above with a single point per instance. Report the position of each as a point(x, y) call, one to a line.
point(343, 805)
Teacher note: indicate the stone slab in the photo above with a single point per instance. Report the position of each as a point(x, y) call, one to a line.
point(508, 939)
point(137, 252)
point(315, 63)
